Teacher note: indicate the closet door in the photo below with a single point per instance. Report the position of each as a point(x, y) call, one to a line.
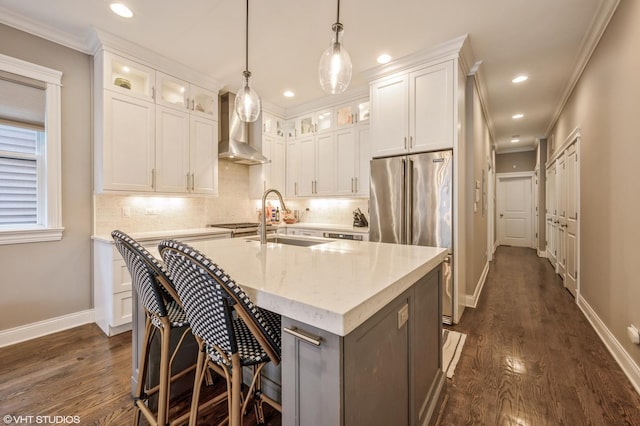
point(571, 227)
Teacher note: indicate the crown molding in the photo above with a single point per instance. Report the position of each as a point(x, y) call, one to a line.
point(588, 45)
point(329, 101)
point(104, 40)
point(19, 22)
point(451, 49)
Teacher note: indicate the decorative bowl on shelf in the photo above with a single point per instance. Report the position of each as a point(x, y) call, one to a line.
point(289, 221)
point(122, 82)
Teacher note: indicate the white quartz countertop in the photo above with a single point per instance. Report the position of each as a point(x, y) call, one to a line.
point(334, 286)
point(175, 233)
point(326, 227)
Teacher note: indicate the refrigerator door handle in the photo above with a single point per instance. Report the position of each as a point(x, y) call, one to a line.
point(403, 227)
point(409, 195)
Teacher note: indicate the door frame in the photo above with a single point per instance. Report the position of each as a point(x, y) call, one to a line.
point(530, 175)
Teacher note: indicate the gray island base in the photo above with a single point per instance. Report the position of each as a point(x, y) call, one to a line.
point(385, 372)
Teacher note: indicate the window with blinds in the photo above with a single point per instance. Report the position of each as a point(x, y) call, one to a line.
point(30, 152)
point(19, 158)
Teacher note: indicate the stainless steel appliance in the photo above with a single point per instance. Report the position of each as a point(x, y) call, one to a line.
point(243, 229)
point(235, 142)
point(343, 236)
point(411, 203)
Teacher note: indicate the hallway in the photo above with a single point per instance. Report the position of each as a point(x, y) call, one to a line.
point(531, 358)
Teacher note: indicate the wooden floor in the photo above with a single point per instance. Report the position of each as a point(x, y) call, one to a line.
point(530, 359)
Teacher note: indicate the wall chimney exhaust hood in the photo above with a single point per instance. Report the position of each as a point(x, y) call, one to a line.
point(234, 135)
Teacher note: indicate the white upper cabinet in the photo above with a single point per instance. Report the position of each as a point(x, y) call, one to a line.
point(268, 134)
point(180, 94)
point(352, 113)
point(127, 77)
point(125, 148)
point(390, 115)
point(153, 132)
point(413, 111)
point(314, 123)
point(352, 157)
point(185, 147)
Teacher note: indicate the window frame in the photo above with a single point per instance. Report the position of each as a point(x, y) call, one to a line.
point(50, 226)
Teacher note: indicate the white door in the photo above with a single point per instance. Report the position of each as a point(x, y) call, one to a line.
point(571, 227)
point(515, 218)
point(561, 196)
point(552, 214)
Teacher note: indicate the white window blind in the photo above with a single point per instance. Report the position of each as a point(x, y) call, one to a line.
point(18, 176)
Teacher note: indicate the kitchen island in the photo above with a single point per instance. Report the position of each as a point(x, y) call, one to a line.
point(361, 322)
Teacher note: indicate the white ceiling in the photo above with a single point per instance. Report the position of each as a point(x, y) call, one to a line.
point(548, 40)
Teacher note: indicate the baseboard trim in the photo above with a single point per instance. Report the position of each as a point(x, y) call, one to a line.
point(541, 253)
point(42, 328)
point(622, 357)
point(471, 301)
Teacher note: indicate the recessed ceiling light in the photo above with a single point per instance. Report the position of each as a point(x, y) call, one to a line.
point(384, 58)
point(516, 116)
point(121, 10)
point(520, 79)
point(289, 94)
point(125, 68)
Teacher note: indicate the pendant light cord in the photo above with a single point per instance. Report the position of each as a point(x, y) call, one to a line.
point(246, 50)
point(338, 18)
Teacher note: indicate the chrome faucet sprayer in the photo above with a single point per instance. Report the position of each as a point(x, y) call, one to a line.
point(263, 219)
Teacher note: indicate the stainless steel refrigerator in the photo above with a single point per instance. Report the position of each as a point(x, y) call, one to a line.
point(411, 203)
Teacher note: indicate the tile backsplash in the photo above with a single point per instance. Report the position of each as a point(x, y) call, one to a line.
point(145, 213)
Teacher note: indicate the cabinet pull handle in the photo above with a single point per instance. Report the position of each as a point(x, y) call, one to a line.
point(410, 141)
point(193, 104)
point(188, 182)
point(405, 142)
point(187, 104)
point(303, 335)
point(193, 181)
point(356, 179)
point(295, 188)
point(153, 178)
point(352, 185)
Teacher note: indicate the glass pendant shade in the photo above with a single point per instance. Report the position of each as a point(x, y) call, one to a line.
point(335, 64)
point(248, 104)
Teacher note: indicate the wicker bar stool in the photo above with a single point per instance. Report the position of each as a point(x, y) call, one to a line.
point(231, 331)
point(163, 312)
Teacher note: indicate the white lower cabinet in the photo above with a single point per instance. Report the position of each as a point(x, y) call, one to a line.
point(112, 286)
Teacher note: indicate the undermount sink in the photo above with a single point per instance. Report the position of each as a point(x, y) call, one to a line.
point(292, 241)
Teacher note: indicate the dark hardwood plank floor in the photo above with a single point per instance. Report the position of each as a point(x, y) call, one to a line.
point(531, 358)
point(80, 372)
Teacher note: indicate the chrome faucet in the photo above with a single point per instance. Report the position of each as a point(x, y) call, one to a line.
point(263, 219)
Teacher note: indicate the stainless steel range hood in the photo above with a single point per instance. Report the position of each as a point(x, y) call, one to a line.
point(234, 135)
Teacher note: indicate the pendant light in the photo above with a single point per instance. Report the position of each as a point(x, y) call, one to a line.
point(248, 103)
point(335, 63)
